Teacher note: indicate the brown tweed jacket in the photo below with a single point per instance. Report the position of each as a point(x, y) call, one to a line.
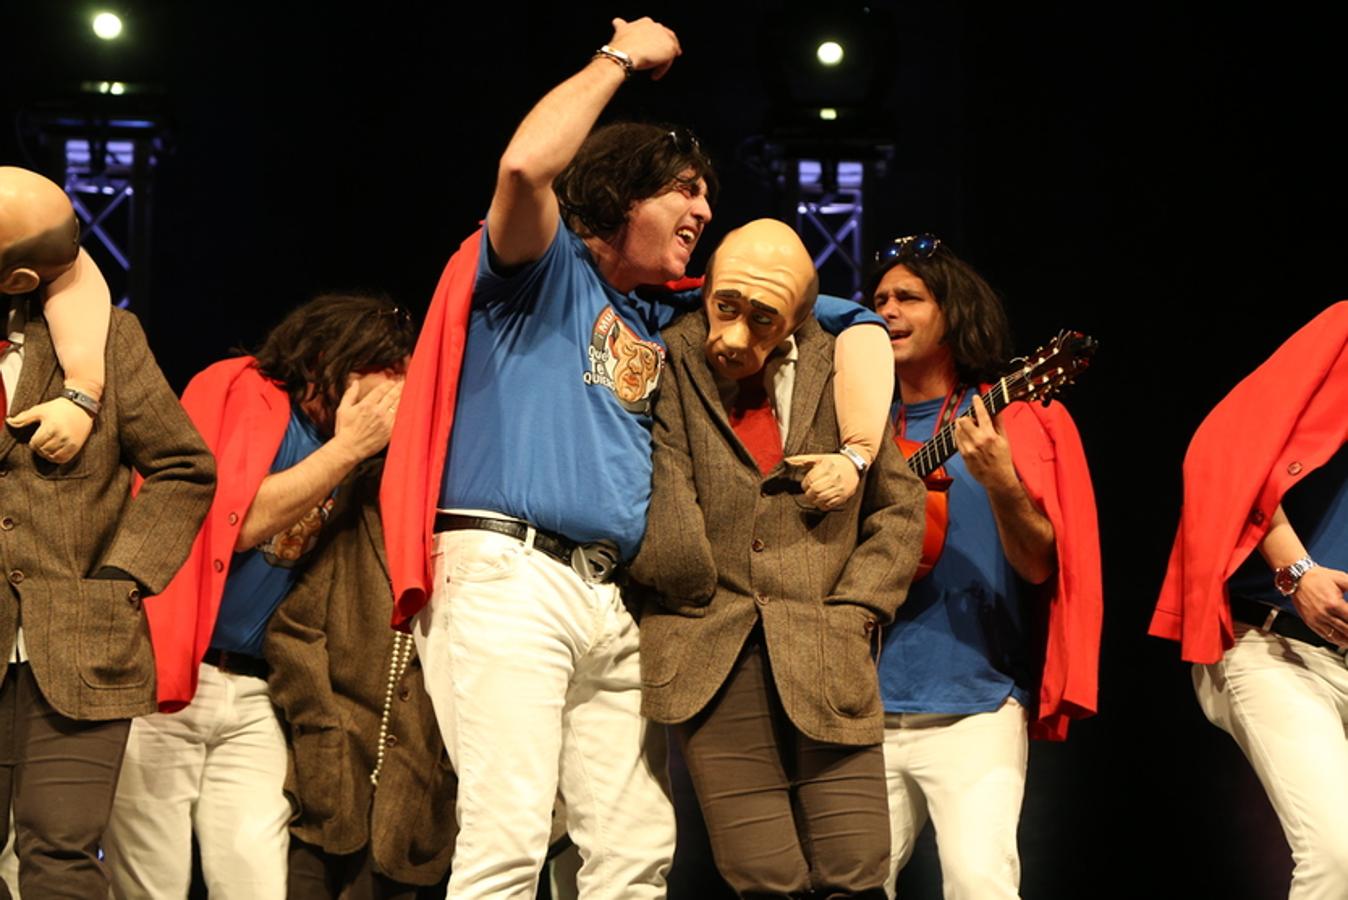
point(331, 648)
point(726, 547)
point(87, 639)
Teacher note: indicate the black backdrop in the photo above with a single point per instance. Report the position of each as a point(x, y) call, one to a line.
point(1166, 178)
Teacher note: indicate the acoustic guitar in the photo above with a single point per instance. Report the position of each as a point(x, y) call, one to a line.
point(1037, 377)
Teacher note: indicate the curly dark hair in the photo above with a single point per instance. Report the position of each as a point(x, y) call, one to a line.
point(977, 329)
point(623, 163)
point(332, 337)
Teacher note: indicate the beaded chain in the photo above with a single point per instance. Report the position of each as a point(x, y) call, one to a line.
point(402, 655)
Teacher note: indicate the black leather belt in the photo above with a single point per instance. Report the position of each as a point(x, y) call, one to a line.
point(597, 562)
point(237, 663)
point(1289, 625)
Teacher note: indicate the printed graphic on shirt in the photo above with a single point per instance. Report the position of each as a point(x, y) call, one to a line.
point(290, 546)
point(624, 363)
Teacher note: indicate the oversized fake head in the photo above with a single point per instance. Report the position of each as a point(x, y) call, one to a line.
point(39, 233)
point(761, 284)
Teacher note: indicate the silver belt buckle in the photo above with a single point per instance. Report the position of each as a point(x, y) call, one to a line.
point(595, 562)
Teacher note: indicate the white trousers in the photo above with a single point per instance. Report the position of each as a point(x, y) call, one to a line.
point(968, 774)
point(218, 767)
point(536, 684)
point(1286, 704)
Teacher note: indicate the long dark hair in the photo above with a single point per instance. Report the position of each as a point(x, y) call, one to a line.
point(977, 330)
point(334, 336)
point(623, 163)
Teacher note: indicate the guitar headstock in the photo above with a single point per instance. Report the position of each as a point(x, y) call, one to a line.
point(1058, 363)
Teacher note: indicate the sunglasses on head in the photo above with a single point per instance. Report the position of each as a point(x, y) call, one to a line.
point(685, 142)
point(910, 246)
point(401, 317)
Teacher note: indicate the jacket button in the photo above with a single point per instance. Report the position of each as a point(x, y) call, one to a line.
point(1294, 468)
point(1257, 516)
point(869, 626)
point(15, 577)
point(218, 566)
point(391, 741)
point(233, 518)
point(7, 523)
point(4, 470)
point(757, 546)
point(133, 597)
point(404, 693)
point(761, 599)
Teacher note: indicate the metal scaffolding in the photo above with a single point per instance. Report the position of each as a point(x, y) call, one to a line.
point(106, 165)
point(820, 187)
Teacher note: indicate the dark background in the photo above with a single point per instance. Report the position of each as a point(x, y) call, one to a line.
point(1167, 178)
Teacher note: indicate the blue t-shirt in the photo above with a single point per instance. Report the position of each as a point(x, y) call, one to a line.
point(958, 644)
point(1317, 507)
point(260, 578)
point(559, 376)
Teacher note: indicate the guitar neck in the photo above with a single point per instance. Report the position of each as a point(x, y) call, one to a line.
point(929, 457)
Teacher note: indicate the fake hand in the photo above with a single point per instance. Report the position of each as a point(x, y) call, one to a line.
point(984, 448)
point(62, 430)
point(831, 481)
point(1319, 600)
point(649, 44)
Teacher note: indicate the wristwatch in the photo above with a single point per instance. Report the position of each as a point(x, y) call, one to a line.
point(857, 459)
point(618, 57)
point(1288, 578)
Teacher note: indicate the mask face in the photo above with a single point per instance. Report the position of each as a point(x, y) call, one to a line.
point(755, 296)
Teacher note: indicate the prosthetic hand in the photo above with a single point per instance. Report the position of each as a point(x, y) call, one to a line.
point(62, 429)
point(39, 243)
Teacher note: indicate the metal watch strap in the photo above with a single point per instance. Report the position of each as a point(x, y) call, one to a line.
point(618, 57)
point(857, 459)
point(1288, 578)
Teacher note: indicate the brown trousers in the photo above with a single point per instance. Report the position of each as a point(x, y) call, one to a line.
point(60, 776)
point(788, 816)
point(316, 874)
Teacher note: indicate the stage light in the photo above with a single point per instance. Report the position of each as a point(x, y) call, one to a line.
point(117, 88)
point(108, 26)
point(828, 114)
point(830, 53)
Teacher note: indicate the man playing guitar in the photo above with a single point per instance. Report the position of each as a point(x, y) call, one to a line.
point(980, 650)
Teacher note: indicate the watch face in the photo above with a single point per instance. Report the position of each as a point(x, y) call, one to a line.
point(1285, 581)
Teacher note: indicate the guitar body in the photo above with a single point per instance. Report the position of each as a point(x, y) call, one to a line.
point(938, 511)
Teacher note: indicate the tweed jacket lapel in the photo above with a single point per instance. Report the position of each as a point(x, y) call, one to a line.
point(700, 376)
point(39, 368)
point(814, 363)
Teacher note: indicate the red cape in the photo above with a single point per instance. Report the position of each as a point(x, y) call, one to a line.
point(242, 416)
point(1047, 453)
point(420, 441)
point(1274, 428)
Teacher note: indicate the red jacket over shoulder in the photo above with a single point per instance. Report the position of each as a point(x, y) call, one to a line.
point(1278, 425)
point(420, 441)
point(1047, 453)
point(242, 416)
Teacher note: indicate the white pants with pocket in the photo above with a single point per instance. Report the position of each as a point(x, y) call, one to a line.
point(967, 773)
point(536, 684)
